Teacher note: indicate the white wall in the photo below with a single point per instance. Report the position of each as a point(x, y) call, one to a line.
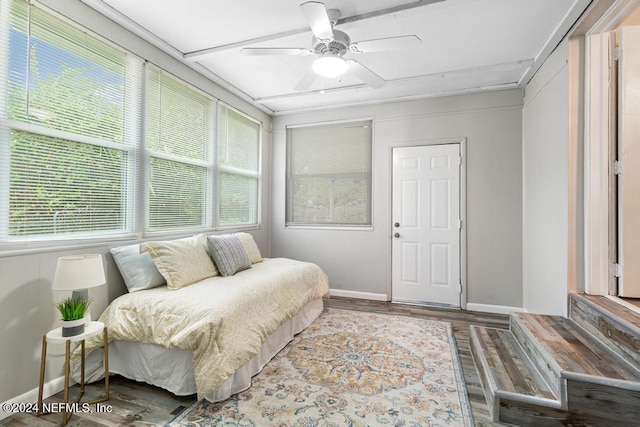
point(27, 311)
point(545, 187)
point(359, 261)
point(26, 300)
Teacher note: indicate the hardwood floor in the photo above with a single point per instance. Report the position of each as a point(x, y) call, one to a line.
point(138, 404)
point(632, 301)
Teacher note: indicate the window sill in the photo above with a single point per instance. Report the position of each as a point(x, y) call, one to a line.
point(330, 227)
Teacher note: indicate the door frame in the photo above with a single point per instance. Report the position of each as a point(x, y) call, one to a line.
point(462, 141)
point(590, 45)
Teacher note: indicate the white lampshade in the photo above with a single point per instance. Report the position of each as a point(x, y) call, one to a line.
point(78, 272)
point(330, 66)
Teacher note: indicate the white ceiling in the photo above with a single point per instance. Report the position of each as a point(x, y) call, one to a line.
point(467, 45)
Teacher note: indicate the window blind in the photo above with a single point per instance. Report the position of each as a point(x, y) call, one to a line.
point(329, 174)
point(62, 187)
point(180, 125)
point(78, 140)
point(238, 164)
point(71, 144)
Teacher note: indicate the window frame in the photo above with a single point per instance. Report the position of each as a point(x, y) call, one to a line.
point(209, 164)
point(137, 167)
point(128, 146)
point(288, 178)
point(238, 172)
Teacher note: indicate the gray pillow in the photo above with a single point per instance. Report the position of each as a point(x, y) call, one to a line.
point(228, 254)
point(137, 269)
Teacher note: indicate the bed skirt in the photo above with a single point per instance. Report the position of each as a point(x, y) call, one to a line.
point(172, 368)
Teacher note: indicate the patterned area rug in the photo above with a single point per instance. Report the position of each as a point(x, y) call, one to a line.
point(352, 368)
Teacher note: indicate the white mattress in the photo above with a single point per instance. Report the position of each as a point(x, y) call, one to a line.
point(172, 368)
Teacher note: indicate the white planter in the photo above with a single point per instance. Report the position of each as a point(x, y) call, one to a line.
point(71, 328)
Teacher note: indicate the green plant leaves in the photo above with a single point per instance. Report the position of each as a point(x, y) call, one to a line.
point(72, 309)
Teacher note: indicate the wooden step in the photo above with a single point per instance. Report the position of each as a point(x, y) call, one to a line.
point(551, 370)
point(560, 349)
point(615, 325)
point(507, 375)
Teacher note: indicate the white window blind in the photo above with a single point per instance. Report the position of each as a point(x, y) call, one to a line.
point(329, 174)
point(67, 112)
point(180, 126)
point(78, 139)
point(238, 168)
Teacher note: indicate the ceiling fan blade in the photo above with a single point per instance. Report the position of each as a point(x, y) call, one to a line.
point(365, 74)
point(275, 51)
point(318, 19)
point(307, 80)
point(389, 43)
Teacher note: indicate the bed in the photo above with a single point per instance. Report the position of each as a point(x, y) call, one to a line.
point(212, 335)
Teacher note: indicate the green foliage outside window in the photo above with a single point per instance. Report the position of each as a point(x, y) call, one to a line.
point(58, 186)
point(79, 140)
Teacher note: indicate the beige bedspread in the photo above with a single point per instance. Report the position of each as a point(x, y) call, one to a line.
point(224, 321)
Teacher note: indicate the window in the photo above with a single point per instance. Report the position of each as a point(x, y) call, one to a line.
point(69, 147)
point(329, 174)
point(84, 155)
point(179, 140)
point(238, 163)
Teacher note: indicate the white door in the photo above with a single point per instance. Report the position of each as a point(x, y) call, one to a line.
point(629, 157)
point(426, 225)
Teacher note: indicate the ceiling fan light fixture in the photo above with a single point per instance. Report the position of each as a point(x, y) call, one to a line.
point(330, 66)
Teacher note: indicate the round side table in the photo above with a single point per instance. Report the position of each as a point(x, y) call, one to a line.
point(55, 336)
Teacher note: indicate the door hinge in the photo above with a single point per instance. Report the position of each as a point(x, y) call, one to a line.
point(617, 53)
point(617, 270)
point(460, 288)
point(617, 167)
point(459, 224)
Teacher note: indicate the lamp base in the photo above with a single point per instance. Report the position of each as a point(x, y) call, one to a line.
point(79, 294)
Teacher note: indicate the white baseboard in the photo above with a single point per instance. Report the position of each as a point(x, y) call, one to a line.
point(358, 295)
point(52, 387)
point(485, 308)
point(488, 308)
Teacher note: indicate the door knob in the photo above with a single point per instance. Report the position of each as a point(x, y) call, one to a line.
point(397, 235)
point(396, 225)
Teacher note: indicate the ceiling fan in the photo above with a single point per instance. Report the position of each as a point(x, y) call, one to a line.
point(331, 45)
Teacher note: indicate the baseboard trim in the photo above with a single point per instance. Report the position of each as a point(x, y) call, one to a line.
point(484, 308)
point(52, 387)
point(357, 295)
point(488, 308)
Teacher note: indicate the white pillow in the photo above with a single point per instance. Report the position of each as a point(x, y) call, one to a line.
point(137, 269)
point(250, 247)
point(183, 261)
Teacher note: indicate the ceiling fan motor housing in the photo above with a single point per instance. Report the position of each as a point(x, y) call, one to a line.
point(338, 46)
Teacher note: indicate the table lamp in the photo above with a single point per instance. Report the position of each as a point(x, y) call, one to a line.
point(78, 273)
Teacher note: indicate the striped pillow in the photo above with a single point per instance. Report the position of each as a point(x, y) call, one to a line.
point(228, 254)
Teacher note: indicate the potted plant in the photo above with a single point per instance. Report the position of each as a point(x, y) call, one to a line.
point(73, 312)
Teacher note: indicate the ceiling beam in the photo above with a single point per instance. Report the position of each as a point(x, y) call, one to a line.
point(558, 34)
point(522, 65)
point(198, 54)
point(402, 98)
point(103, 8)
